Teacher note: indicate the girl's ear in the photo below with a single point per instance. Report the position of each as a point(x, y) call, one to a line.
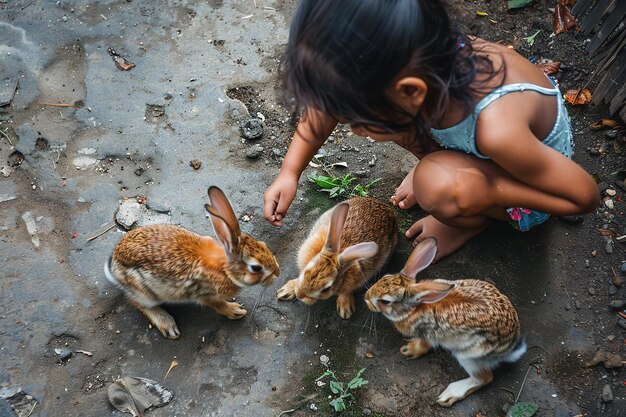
point(410, 93)
point(420, 258)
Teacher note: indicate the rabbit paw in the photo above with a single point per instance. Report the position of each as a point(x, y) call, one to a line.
point(416, 348)
point(288, 291)
point(345, 305)
point(163, 321)
point(235, 311)
point(458, 390)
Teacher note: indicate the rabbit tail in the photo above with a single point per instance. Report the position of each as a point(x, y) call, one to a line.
point(107, 272)
point(518, 350)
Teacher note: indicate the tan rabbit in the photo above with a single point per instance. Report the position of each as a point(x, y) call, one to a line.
point(163, 263)
point(347, 246)
point(470, 318)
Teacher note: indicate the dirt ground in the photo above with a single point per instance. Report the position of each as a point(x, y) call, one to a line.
point(202, 69)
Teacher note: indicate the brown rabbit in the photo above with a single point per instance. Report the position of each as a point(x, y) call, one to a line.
point(470, 318)
point(347, 246)
point(163, 263)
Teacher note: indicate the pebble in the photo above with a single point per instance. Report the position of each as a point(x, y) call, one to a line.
point(362, 174)
point(623, 267)
point(577, 305)
point(610, 337)
point(621, 322)
point(568, 306)
point(252, 129)
point(64, 353)
point(367, 412)
point(591, 291)
point(610, 191)
point(607, 394)
point(372, 161)
point(617, 303)
point(254, 152)
point(612, 289)
point(587, 263)
point(609, 204)
point(609, 246)
point(277, 152)
point(611, 134)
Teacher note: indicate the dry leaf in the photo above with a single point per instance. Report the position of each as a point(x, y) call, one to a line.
point(120, 62)
point(134, 395)
point(599, 124)
point(564, 20)
point(549, 67)
point(172, 366)
point(610, 360)
point(578, 97)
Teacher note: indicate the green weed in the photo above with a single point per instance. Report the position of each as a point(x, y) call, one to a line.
point(343, 391)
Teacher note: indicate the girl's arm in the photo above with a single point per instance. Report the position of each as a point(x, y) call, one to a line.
point(312, 131)
point(551, 182)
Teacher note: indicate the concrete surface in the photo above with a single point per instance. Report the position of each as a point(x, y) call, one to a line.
point(135, 135)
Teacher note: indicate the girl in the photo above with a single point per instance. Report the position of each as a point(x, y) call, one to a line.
point(489, 129)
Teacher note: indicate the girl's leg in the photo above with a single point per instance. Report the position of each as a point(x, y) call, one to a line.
point(459, 192)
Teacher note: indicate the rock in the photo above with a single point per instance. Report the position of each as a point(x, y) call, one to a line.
point(611, 134)
point(587, 263)
point(195, 164)
point(621, 322)
point(15, 159)
point(609, 246)
point(623, 267)
point(254, 152)
point(362, 174)
point(612, 289)
point(610, 192)
point(610, 337)
point(367, 412)
point(372, 161)
point(154, 113)
point(42, 144)
point(617, 304)
point(591, 291)
point(609, 204)
point(252, 129)
point(607, 394)
point(568, 306)
point(131, 213)
point(277, 152)
point(64, 353)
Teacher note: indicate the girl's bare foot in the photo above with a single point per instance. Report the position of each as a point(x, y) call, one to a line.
point(449, 238)
point(404, 196)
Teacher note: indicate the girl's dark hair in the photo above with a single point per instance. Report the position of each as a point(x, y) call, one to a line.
point(343, 54)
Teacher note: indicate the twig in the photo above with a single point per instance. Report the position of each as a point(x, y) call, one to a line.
point(287, 412)
point(508, 390)
point(23, 9)
point(620, 238)
point(523, 382)
point(100, 234)
point(31, 410)
point(621, 314)
point(57, 104)
point(6, 136)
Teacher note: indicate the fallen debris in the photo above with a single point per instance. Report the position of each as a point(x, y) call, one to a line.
point(173, 365)
point(195, 164)
point(564, 20)
point(135, 395)
point(252, 129)
point(7, 92)
point(133, 212)
point(578, 97)
point(610, 360)
point(120, 62)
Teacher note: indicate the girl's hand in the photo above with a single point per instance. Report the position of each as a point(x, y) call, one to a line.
point(278, 198)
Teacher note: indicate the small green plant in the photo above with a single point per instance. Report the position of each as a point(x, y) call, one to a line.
point(531, 39)
point(343, 391)
point(341, 186)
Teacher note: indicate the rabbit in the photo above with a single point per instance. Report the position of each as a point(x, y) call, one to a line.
point(469, 317)
point(346, 247)
point(164, 263)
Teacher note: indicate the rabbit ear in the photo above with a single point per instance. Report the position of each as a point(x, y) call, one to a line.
point(222, 208)
point(224, 221)
point(227, 237)
point(420, 258)
point(337, 220)
point(358, 252)
point(427, 292)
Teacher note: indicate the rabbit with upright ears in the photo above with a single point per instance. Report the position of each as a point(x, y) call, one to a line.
point(346, 247)
point(164, 263)
point(470, 318)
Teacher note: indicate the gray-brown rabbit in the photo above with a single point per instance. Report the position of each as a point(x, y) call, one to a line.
point(470, 318)
point(164, 263)
point(346, 247)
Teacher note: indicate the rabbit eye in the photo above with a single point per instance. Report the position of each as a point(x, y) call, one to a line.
point(385, 302)
point(255, 268)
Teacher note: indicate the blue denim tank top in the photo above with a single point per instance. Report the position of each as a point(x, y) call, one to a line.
point(462, 136)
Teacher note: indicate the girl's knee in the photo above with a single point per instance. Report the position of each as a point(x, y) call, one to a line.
point(433, 185)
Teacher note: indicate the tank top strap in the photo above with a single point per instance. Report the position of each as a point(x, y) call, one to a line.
point(512, 88)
